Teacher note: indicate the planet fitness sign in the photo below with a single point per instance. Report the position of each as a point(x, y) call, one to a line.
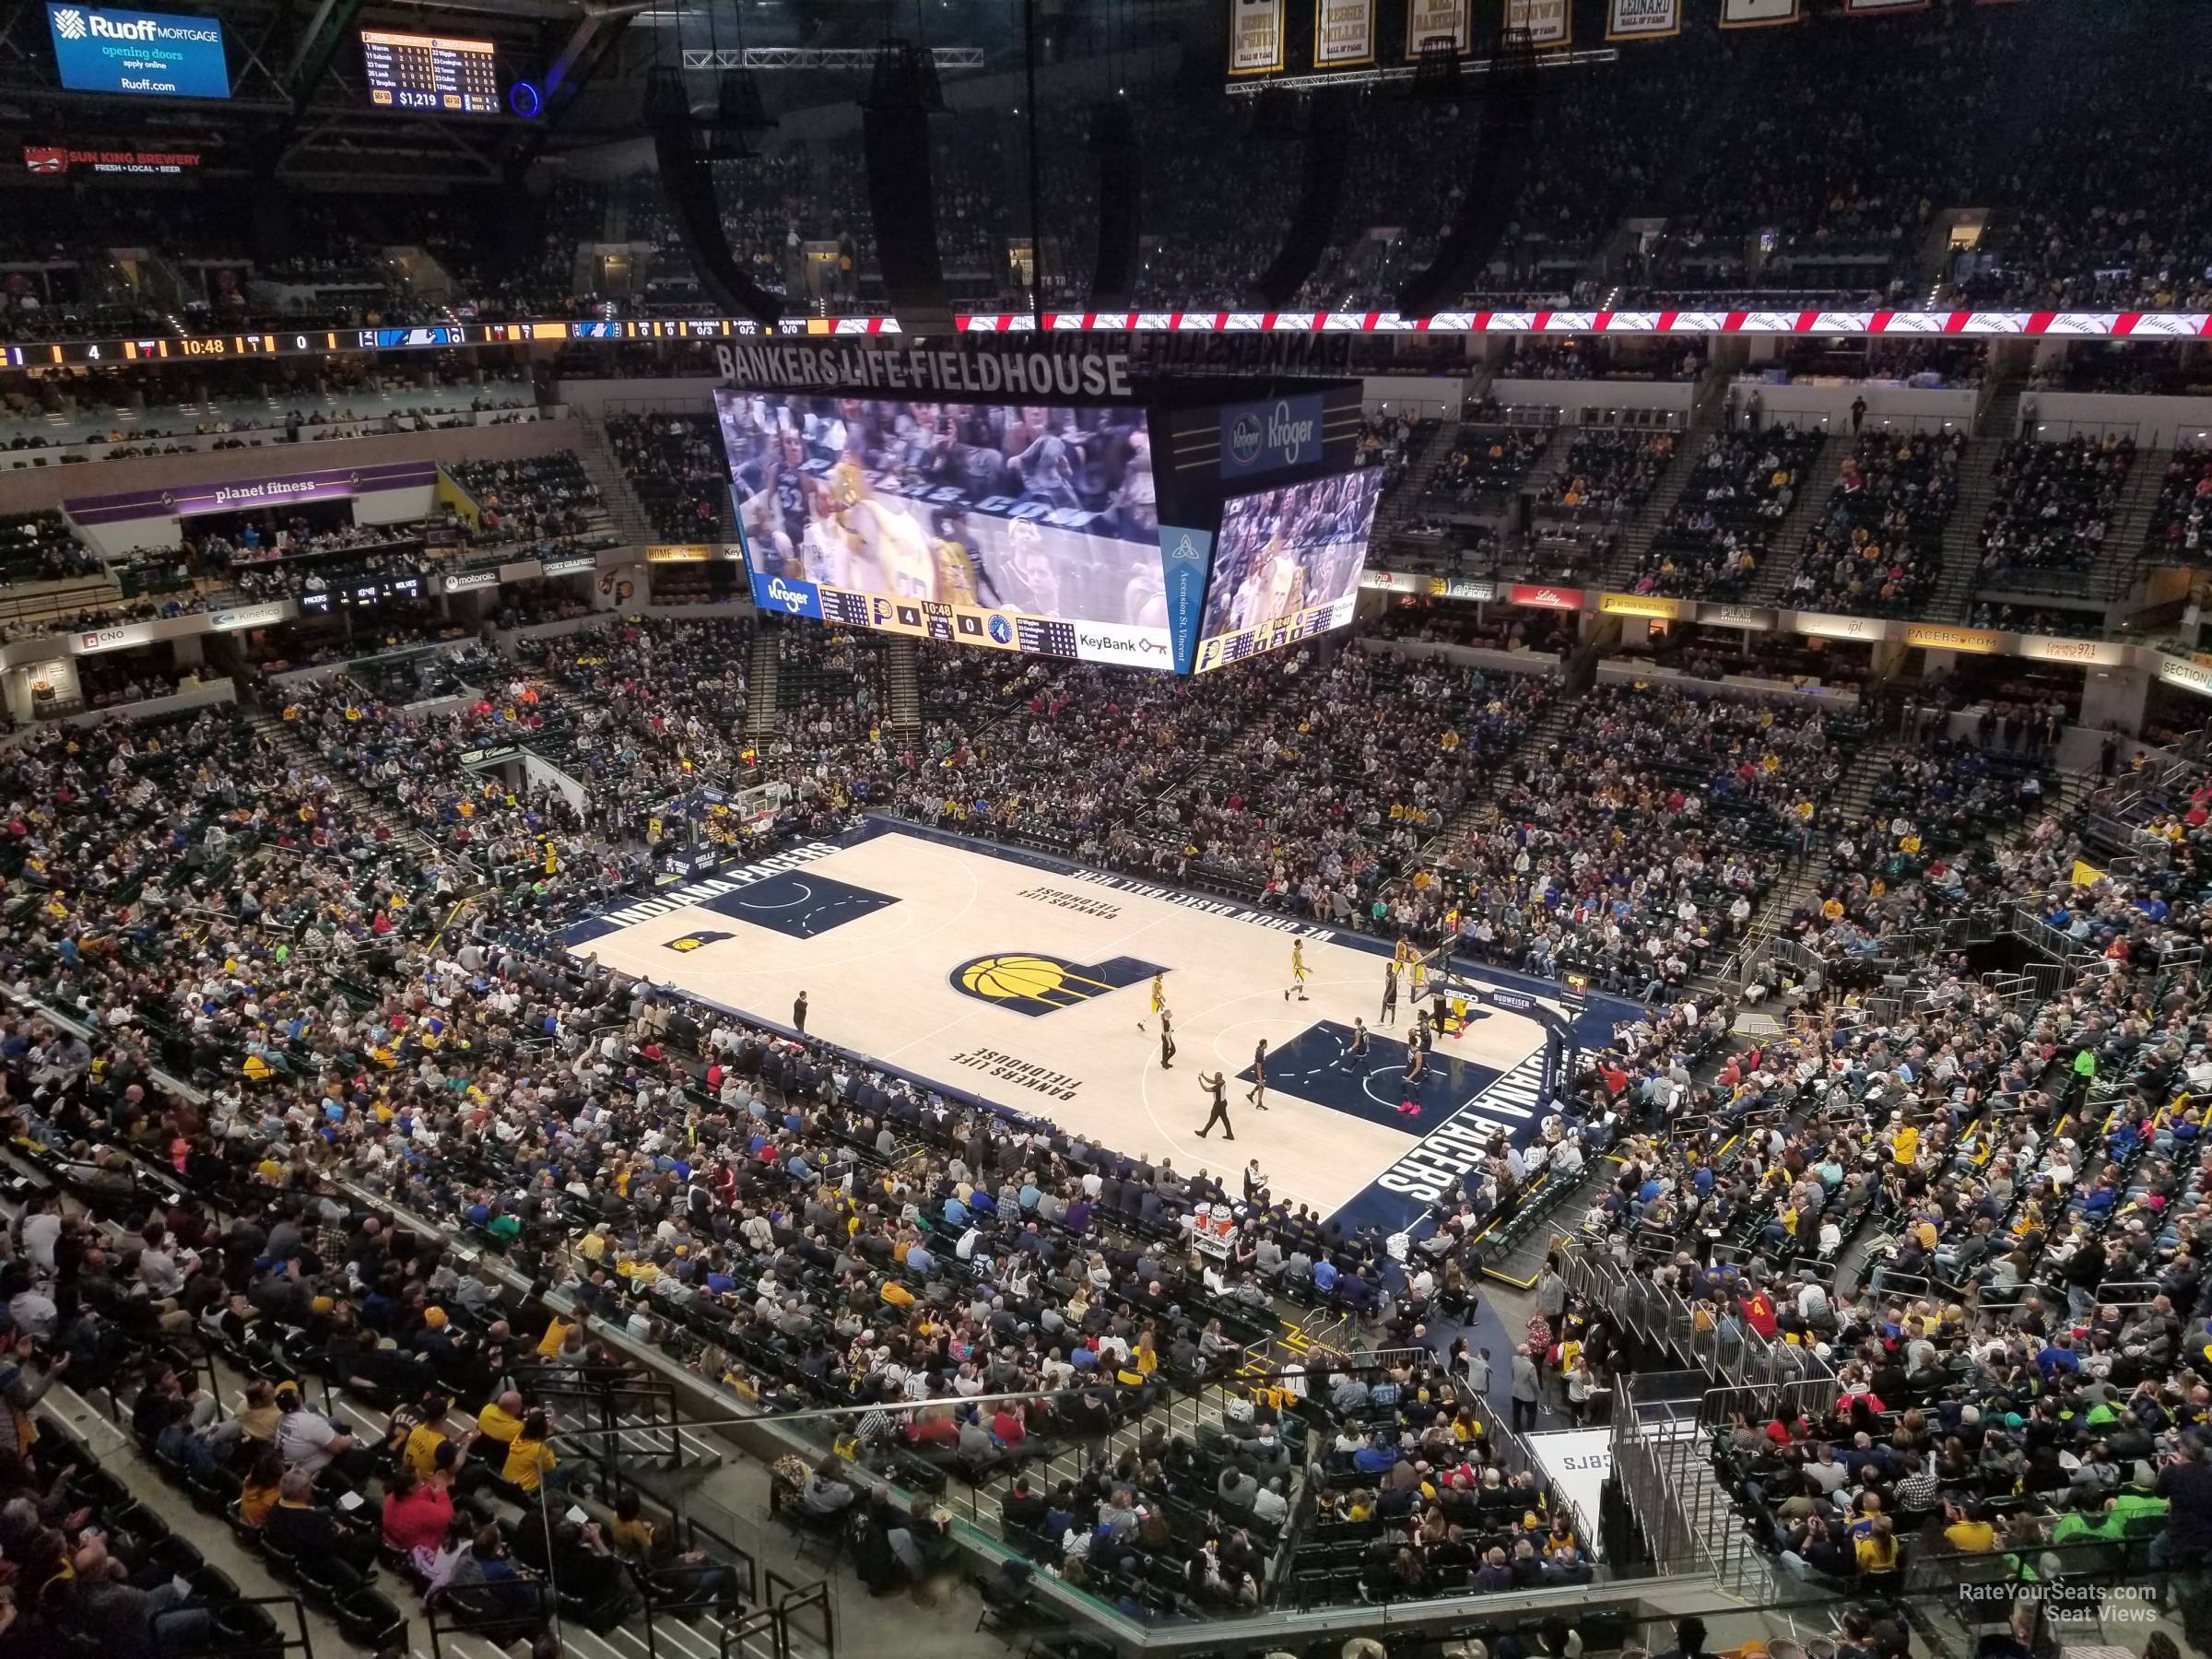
point(237, 495)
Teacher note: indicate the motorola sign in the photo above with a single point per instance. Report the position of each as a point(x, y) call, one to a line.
point(159, 54)
point(1270, 436)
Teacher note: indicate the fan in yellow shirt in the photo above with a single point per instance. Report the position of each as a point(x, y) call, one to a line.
point(530, 1462)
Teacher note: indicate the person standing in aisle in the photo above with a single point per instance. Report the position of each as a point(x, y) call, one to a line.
point(1217, 1087)
point(1526, 1387)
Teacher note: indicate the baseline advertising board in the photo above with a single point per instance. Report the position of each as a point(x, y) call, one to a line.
point(1032, 528)
point(137, 54)
point(1287, 566)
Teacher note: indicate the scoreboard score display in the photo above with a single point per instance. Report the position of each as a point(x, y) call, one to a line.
point(432, 74)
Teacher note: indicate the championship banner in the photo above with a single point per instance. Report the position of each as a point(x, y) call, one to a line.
point(1429, 20)
point(1546, 22)
point(1255, 37)
point(1644, 19)
point(1758, 14)
point(1344, 33)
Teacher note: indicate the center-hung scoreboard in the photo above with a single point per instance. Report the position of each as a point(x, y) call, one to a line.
point(1037, 496)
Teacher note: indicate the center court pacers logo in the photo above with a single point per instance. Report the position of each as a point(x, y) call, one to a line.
point(696, 941)
point(1031, 983)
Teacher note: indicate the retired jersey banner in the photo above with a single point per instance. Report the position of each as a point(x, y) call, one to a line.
point(1644, 19)
point(1757, 14)
point(1255, 44)
point(1546, 22)
point(1429, 20)
point(1344, 33)
point(1874, 9)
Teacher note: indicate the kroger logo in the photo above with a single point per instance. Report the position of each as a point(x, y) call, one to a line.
point(1244, 440)
point(69, 25)
point(1288, 437)
point(1265, 436)
point(780, 592)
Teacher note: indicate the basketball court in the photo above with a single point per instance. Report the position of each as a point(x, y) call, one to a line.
point(1027, 982)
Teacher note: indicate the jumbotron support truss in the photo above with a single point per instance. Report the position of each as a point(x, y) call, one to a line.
point(815, 57)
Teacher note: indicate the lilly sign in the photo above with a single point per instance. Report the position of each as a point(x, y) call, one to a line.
point(159, 55)
point(787, 597)
point(1270, 436)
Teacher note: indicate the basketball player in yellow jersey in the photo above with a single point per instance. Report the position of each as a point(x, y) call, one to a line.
point(1159, 997)
point(885, 539)
point(1417, 976)
point(1298, 970)
point(1285, 584)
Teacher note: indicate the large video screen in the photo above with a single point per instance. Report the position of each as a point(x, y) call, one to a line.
point(1019, 528)
point(143, 54)
point(439, 74)
point(1287, 566)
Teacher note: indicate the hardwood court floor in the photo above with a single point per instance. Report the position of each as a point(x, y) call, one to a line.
point(1026, 984)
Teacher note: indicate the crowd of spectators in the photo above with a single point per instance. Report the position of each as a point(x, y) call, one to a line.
point(1741, 487)
point(1877, 549)
point(1485, 465)
point(2053, 505)
point(676, 464)
point(209, 897)
point(2184, 501)
point(540, 499)
point(1607, 472)
point(1639, 852)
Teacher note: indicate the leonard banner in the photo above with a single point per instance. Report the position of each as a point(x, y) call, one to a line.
point(1184, 557)
point(1344, 33)
point(1428, 20)
point(1255, 37)
point(1644, 19)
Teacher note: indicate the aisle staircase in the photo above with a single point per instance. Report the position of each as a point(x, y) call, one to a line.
point(1954, 594)
point(1788, 538)
point(903, 683)
point(631, 521)
point(760, 687)
point(285, 737)
point(1400, 504)
point(1636, 534)
point(1548, 727)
